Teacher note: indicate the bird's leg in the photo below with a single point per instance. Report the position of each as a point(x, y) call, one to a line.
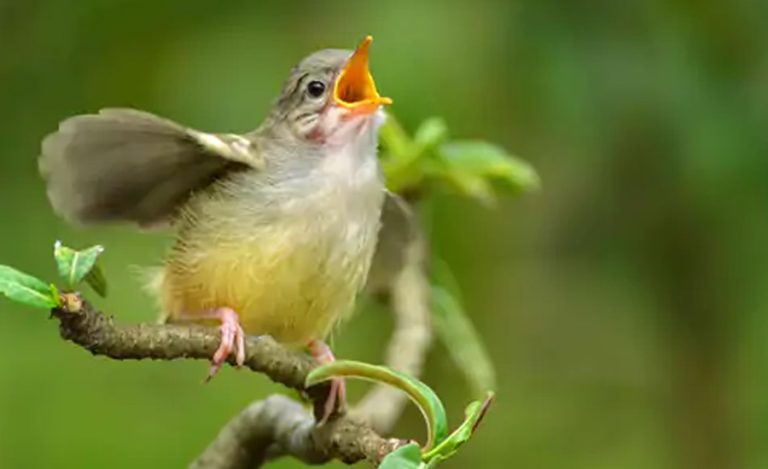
point(232, 339)
point(337, 397)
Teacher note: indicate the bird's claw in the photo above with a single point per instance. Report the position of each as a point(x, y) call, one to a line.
point(232, 340)
point(337, 397)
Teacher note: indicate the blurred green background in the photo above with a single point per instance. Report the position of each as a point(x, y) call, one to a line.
point(625, 305)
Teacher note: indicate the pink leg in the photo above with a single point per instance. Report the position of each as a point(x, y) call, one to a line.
point(338, 395)
point(232, 339)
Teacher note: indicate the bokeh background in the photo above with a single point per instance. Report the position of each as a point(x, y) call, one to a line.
point(625, 304)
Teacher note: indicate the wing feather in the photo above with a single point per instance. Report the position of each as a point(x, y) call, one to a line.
point(129, 165)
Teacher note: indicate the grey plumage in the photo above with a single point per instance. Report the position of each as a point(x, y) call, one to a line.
point(125, 165)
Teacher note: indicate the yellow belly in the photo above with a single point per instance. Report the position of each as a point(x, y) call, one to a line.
point(286, 281)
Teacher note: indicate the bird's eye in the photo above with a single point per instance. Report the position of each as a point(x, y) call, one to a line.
point(316, 88)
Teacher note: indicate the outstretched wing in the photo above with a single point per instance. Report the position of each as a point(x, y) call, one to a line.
point(128, 165)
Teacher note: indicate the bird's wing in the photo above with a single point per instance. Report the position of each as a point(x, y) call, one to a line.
point(398, 233)
point(128, 165)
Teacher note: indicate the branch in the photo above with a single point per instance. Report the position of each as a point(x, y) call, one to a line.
point(265, 429)
point(343, 438)
point(279, 426)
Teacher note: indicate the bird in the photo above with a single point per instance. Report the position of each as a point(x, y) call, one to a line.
point(275, 229)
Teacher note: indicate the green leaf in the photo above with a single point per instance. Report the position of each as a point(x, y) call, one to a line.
point(471, 185)
point(422, 395)
point(400, 158)
point(74, 265)
point(467, 162)
point(404, 457)
point(449, 446)
point(469, 166)
point(96, 279)
point(55, 293)
point(396, 140)
point(431, 133)
point(462, 341)
point(26, 289)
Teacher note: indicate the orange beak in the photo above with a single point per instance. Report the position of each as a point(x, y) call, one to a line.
point(355, 89)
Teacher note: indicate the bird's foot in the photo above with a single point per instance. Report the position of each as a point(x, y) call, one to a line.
point(232, 340)
point(337, 397)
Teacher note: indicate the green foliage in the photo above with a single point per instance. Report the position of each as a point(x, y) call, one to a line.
point(77, 266)
point(26, 289)
point(469, 167)
point(440, 445)
point(432, 132)
point(455, 330)
point(423, 396)
point(405, 457)
point(410, 456)
point(473, 414)
point(97, 281)
point(74, 266)
point(462, 341)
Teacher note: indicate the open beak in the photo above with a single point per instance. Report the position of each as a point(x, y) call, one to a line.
point(355, 89)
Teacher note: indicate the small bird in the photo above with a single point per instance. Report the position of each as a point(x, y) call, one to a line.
point(276, 228)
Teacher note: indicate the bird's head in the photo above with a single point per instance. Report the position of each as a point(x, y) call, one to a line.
point(330, 97)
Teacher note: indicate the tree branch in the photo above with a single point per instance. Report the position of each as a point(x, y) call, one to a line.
point(265, 429)
point(279, 426)
point(343, 438)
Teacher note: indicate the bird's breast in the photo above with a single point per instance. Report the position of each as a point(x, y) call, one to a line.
point(288, 258)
